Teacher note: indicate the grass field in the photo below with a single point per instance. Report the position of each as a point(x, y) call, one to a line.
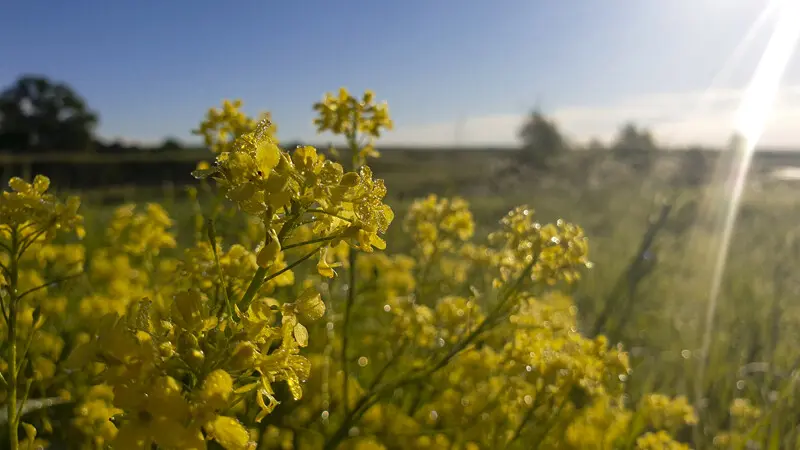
point(653, 238)
point(617, 207)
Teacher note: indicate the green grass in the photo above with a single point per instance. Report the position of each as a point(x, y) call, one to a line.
point(656, 307)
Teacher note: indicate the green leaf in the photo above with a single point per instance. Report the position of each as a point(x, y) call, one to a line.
point(202, 174)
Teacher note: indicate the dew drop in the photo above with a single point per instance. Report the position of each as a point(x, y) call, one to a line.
point(387, 308)
point(329, 326)
point(528, 368)
point(354, 432)
point(740, 384)
point(528, 400)
point(441, 342)
point(434, 415)
point(363, 361)
point(686, 354)
point(325, 415)
point(622, 377)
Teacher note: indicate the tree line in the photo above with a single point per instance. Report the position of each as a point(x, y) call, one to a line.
point(39, 115)
point(543, 145)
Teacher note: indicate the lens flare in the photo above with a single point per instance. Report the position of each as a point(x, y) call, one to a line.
point(751, 117)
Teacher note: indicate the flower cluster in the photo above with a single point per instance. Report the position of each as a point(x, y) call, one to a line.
point(551, 253)
point(744, 418)
point(351, 117)
point(667, 413)
point(176, 375)
point(28, 207)
point(499, 366)
point(284, 189)
point(131, 264)
point(439, 224)
point(223, 125)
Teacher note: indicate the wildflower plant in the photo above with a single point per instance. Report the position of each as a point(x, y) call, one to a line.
point(178, 366)
point(30, 217)
point(463, 343)
point(358, 119)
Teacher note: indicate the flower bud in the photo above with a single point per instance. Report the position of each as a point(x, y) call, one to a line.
point(268, 254)
point(244, 356)
point(217, 389)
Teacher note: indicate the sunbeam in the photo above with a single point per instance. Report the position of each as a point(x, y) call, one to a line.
point(751, 118)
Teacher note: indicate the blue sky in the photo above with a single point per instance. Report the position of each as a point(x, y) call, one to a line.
point(451, 70)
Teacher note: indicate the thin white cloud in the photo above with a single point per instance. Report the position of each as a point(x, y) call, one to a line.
point(704, 118)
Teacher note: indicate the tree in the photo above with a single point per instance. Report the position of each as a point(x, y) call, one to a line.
point(37, 114)
point(595, 144)
point(695, 167)
point(636, 146)
point(169, 145)
point(541, 141)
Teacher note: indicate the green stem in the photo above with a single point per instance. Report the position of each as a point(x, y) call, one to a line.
point(12, 344)
point(372, 397)
point(351, 288)
point(27, 347)
point(49, 284)
point(252, 288)
point(245, 303)
point(258, 278)
point(26, 241)
point(351, 296)
point(312, 241)
point(25, 395)
point(212, 239)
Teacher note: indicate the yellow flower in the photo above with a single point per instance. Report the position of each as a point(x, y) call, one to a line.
point(323, 267)
point(158, 414)
point(217, 389)
point(223, 125)
point(659, 441)
point(229, 433)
